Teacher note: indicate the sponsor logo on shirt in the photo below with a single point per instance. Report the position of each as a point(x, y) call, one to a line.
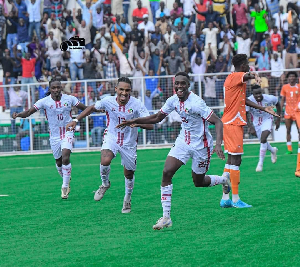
point(186, 110)
point(130, 110)
point(66, 104)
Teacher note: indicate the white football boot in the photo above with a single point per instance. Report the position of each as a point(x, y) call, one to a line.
point(163, 222)
point(99, 194)
point(274, 155)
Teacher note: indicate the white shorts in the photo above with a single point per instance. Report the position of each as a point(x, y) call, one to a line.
point(58, 145)
point(128, 154)
point(265, 126)
point(200, 157)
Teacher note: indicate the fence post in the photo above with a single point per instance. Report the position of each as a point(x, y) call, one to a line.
point(30, 120)
point(143, 101)
point(199, 86)
point(87, 117)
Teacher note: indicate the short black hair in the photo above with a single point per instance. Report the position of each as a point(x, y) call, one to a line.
point(182, 74)
point(239, 59)
point(292, 73)
point(124, 80)
point(255, 86)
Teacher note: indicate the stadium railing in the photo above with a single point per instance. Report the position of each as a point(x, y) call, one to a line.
point(34, 137)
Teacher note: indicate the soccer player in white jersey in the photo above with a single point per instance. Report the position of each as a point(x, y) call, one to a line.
point(58, 108)
point(194, 141)
point(261, 122)
point(118, 108)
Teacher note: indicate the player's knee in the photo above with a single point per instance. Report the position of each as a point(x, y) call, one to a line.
point(66, 160)
point(167, 174)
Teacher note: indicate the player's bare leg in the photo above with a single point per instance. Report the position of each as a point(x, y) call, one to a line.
point(171, 166)
point(106, 158)
point(129, 184)
point(288, 124)
point(203, 180)
point(66, 172)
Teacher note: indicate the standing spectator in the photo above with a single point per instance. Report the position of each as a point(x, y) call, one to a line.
point(57, 7)
point(84, 30)
point(139, 12)
point(154, 6)
point(240, 11)
point(263, 60)
point(202, 7)
point(89, 71)
point(228, 32)
point(162, 9)
point(281, 21)
point(50, 40)
point(117, 7)
point(125, 26)
point(184, 20)
point(2, 25)
point(21, 9)
point(52, 26)
point(126, 5)
point(146, 26)
point(117, 25)
point(137, 35)
point(55, 55)
point(107, 14)
point(69, 18)
point(59, 69)
point(187, 7)
point(118, 39)
point(76, 56)
point(173, 63)
point(244, 44)
point(16, 99)
point(162, 23)
point(276, 74)
point(182, 31)
point(47, 7)
point(273, 7)
point(260, 22)
point(97, 20)
point(266, 43)
point(194, 43)
point(176, 46)
point(176, 11)
point(291, 59)
point(152, 84)
point(11, 31)
point(70, 32)
point(276, 39)
point(33, 8)
point(211, 38)
point(79, 15)
point(226, 48)
point(169, 36)
point(125, 66)
point(210, 16)
point(111, 72)
point(221, 7)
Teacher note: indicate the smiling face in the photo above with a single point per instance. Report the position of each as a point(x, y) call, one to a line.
point(55, 90)
point(257, 93)
point(123, 91)
point(181, 86)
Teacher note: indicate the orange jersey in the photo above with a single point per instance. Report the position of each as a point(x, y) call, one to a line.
point(292, 96)
point(235, 99)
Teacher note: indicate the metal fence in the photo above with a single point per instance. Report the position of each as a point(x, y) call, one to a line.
point(31, 135)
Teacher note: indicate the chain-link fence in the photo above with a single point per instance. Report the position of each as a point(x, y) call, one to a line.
point(32, 134)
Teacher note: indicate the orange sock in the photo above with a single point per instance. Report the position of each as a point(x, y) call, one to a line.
point(298, 161)
point(289, 146)
point(235, 181)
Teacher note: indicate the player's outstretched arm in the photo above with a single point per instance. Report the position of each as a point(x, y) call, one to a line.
point(266, 109)
point(152, 119)
point(81, 106)
point(86, 112)
point(214, 119)
point(250, 75)
point(24, 114)
point(143, 126)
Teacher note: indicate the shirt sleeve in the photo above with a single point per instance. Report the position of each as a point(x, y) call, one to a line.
point(143, 112)
point(274, 99)
point(253, 14)
point(203, 110)
point(100, 105)
point(167, 107)
point(40, 104)
point(75, 101)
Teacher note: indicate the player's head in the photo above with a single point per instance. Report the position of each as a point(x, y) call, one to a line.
point(240, 63)
point(181, 85)
point(292, 77)
point(257, 92)
point(123, 90)
point(55, 88)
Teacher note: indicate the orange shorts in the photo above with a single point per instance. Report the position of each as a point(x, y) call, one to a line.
point(290, 117)
point(233, 139)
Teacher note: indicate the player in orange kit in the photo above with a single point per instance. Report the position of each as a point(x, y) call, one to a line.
point(290, 93)
point(234, 118)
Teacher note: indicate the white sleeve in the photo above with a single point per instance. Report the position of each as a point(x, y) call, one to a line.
point(274, 99)
point(247, 108)
point(167, 107)
point(74, 101)
point(101, 104)
point(143, 112)
point(203, 110)
point(40, 104)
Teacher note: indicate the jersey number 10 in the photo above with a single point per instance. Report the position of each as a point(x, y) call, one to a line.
point(60, 117)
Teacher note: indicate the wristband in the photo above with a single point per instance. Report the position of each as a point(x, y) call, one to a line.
point(75, 120)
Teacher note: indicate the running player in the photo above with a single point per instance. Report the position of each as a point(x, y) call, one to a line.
point(261, 122)
point(118, 109)
point(234, 118)
point(194, 141)
point(58, 108)
point(290, 93)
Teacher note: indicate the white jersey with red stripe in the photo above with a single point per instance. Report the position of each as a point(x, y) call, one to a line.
point(58, 113)
point(116, 114)
point(258, 116)
point(194, 114)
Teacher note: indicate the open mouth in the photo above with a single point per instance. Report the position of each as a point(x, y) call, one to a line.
point(180, 92)
point(122, 98)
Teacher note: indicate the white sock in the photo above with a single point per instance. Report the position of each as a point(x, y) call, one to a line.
point(66, 171)
point(270, 148)
point(129, 183)
point(104, 173)
point(262, 152)
point(59, 171)
point(225, 196)
point(235, 198)
point(166, 194)
point(215, 180)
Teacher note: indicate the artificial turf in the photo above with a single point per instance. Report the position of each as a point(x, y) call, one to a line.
point(38, 228)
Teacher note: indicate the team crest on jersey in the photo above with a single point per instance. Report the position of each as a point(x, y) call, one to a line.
point(66, 104)
point(130, 110)
point(186, 110)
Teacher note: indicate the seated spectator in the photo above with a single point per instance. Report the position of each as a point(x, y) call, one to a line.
point(291, 58)
point(152, 84)
point(59, 69)
point(157, 34)
point(226, 48)
point(162, 9)
point(173, 62)
point(155, 44)
point(54, 54)
point(240, 11)
point(146, 26)
point(125, 26)
point(50, 40)
point(194, 43)
point(104, 38)
point(162, 24)
point(228, 32)
point(266, 43)
point(243, 44)
point(263, 60)
point(139, 12)
point(211, 38)
point(176, 11)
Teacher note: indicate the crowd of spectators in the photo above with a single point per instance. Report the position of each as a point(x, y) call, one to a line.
point(197, 37)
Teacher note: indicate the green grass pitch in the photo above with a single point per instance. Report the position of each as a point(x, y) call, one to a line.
point(40, 229)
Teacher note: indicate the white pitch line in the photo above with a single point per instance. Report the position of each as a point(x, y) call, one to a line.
point(139, 162)
point(3, 195)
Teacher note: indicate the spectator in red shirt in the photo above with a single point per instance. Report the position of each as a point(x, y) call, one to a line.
point(202, 7)
point(275, 39)
point(176, 11)
point(240, 11)
point(139, 12)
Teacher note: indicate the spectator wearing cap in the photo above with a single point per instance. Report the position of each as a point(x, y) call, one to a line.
point(162, 23)
point(117, 25)
point(276, 39)
point(139, 12)
point(169, 36)
point(210, 15)
point(125, 66)
point(263, 60)
point(84, 30)
point(188, 7)
point(146, 26)
point(33, 9)
point(21, 9)
point(211, 38)
point(162, 9)
point(176, 11)
point(291, 58)
point(240, 11)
